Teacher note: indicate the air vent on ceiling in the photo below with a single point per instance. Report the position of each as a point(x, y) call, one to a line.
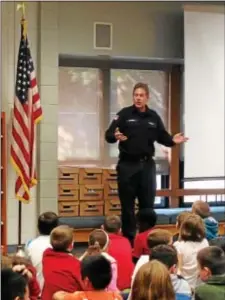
point(103, 36)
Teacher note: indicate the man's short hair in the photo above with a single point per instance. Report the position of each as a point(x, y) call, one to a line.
point(47, 222)
point(146, 219)
point(98, 270)
point(158, 237)
point(141, 85)
point(213, 258)
point(192, 229)
point(166, 254)
point(112, 224)
point(201, 208)
point(181, 217)
point(61, 238)
point(13, 285)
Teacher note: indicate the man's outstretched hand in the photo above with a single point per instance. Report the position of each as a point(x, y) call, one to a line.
point(179, 138)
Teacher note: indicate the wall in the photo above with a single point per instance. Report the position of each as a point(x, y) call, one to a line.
point(146, 29)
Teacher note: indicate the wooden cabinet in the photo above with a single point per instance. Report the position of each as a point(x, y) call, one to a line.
point(3, 183)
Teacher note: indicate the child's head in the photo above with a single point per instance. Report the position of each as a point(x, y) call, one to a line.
point(112, 224)
point(167, 255)
point(211, 261)
point(154, 280)
point(96, 272)
point(98, 238)
point(201, 208)
point(13, 285)
point(159, 237)
point(181, 217)
point(47, 222)
point(192, 229)
point(6, 262)
point(146, 219)
point(61, 238)
point(219, 242)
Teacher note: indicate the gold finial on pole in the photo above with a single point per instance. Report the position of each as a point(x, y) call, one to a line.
point(22, 8)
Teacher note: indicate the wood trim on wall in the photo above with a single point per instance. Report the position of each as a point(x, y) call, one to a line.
point(175, 99)
point(207, 8)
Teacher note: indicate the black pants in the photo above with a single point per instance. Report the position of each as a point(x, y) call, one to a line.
point(135, 180)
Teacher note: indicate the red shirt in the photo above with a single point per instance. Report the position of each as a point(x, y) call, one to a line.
point(140, 244)
point(34, 288)
point(120, 249)
point(61, 272)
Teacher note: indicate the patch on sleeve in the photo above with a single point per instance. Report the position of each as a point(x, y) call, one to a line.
point(116, 118)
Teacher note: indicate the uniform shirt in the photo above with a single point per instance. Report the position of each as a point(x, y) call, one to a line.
point(142, 129)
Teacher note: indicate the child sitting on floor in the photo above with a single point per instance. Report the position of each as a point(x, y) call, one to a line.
point(180, 219)
point(156, 237)
point(211, 261)
point(202, 209)
point(146, 220)
point(99, 244)
point(97, 274)
point(191, 240)
point(112, 225)
point(60, 269)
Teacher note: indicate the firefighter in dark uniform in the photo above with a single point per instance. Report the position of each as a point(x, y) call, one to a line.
point(137, 128)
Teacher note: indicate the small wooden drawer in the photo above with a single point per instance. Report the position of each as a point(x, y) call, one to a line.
point(68, 175)
point(90, 176)
point(68, 192)
point(111, 191)
point(68, 209)
point(91, 192)
point(112, 207)
point(91, 208)
point(109, 175)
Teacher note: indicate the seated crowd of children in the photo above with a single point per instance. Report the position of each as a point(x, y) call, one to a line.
point(161, 266)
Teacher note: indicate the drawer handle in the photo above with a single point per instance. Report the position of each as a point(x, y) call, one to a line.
point(66, 191)
point(115, 206)
point(92, 208)
point(66, 174)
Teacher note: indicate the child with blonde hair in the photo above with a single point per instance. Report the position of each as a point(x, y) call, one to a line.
point(61, 269)
point(151, 282)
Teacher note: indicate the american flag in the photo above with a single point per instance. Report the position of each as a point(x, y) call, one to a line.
point(27, 112)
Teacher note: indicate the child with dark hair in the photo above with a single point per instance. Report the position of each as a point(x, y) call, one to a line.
point(36, 247)
point(167, 255)
point(146, 220)
point(99, 244)
point(61, 269)
point(202, 209)
point(112, 225)
point(23, 266)
point(96, 274)
point(14, 285)
point(211, 261)
point(191, 240)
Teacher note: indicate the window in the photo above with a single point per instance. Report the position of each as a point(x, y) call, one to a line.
point(205, 184)
point(79, 114)
point(121, 87)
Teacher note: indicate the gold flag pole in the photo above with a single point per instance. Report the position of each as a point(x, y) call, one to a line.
point(22, 8)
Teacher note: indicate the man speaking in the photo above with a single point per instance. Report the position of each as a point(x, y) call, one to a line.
point(137, 128)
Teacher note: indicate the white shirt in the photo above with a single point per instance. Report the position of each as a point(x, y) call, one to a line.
point(35, 249)
point(141, 261)
point(188, 251)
